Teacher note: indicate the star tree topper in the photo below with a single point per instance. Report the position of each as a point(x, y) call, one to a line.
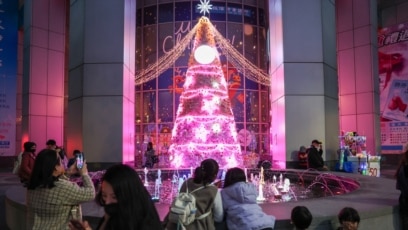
point(204, 6)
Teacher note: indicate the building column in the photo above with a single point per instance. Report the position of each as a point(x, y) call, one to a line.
point(358, 70)
point(43, 71)
point(304, 100)
point(101, 81)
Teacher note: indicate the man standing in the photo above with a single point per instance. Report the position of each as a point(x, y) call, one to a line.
point(314, 156)
point(51, 144)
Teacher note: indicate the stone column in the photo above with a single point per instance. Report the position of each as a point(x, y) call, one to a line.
point(304, 101)
point(101, 80)
point(358, 69)
point(43, 71)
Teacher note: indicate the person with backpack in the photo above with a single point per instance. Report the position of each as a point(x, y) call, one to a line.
point(27, 162)
point(207, 198)
point(239, 200)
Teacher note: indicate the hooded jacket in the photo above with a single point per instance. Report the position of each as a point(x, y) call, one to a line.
point(242, 211)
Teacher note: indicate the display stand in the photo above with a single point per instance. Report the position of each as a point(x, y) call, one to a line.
point(354, 158)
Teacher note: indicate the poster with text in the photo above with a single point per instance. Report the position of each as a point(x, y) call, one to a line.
point(393, 77)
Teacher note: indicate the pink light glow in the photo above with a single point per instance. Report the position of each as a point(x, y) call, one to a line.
point(205, 126)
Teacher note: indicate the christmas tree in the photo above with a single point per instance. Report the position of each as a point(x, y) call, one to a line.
point(204, 126)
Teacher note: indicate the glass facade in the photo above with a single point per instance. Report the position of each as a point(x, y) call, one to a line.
point(160, 26)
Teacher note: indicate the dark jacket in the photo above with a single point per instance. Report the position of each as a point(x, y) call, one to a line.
point(27, 165)
point(314, 157)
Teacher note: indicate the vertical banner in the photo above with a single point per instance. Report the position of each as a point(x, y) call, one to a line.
point(8, 76)
point(393, 76)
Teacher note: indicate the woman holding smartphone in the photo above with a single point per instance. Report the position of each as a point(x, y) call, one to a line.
point(51, 196)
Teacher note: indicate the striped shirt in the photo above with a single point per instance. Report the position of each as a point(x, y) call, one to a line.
point(51, 208)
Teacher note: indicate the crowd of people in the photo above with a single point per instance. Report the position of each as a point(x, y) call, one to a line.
point(52, 197)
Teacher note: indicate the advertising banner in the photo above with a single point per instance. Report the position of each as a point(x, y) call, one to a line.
point(8, 76)
point(393, 76)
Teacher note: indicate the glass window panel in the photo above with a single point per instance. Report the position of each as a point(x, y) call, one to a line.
point(150, 15)
point(253, 142)
point(165, 107)
point(180, 31)
point(234, 12)
point(262, 17)
point(238, 110)
point(265, 128)
point(235, 36)
point(138, 87)
point(164, 137)
point(265, 107)
point(139, 17)
point(138, 128)
point(150, 85)
point(138, 107)
point(166, 80)
point(139, 51)
point(166, 39)
point(250, 15)
point(249, 84)
point(251, 43)
point(166, 12)
point(176, 102)
point(218, 11)
point(264, 87)
point(264, 143)
point(149, 134)
point(178, 79)
point(252, 106)
point(239, 126)
point(221, 27)
point(263, 57)
point(196, 12)
point(149, 45)
point(149, 107)
point(182, 11)
point(253, 128)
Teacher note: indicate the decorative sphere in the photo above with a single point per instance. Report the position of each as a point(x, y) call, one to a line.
point(204, 54)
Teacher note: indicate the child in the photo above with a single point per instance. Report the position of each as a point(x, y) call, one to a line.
point(349, 219)
point(302, 157)
point(301, 217)
point(239, 201)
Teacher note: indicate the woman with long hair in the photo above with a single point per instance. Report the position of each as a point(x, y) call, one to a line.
point(51, 196)
point(126, 202)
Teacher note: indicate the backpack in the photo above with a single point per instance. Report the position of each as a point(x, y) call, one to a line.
point(17, 163)
point(183, 209)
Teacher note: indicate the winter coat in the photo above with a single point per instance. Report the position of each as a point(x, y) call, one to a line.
point(241, 209)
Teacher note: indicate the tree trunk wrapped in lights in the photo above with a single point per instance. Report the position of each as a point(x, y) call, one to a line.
point(204, 126)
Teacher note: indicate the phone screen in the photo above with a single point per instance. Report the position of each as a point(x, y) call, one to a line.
point(80, 160)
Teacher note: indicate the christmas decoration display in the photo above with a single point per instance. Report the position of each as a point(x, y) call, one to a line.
point(204, 126)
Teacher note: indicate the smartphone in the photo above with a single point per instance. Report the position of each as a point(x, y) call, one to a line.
point(77, 224)
point(80, 160)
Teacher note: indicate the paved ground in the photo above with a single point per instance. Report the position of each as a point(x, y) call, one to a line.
point(8, 179)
